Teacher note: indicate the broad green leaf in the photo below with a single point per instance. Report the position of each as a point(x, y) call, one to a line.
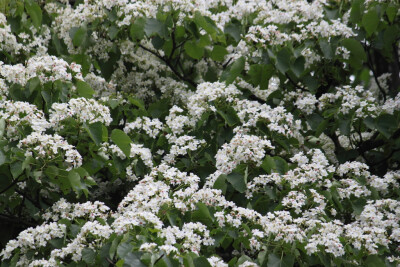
point(193, 50)
point(202, 214)
point(260, 75)
point(75, 181)
point(153, 26)
point(356, 11)
point(357, 53)
point(386, 124)
point(281, 165)
point(84, 89)
point(2, 126)
point(298, 66)
point(220, 183)
point(326, 48)
point(113, 32)
point(88, 255)
point(137, 29)
point(370, 21)
point(78, 35)
point(95, 131)
point(229, 115)
point(2, 158)
point(344, 126)
point(237, 181)
point(132, 259)
point(123, 249)
point(16, 169)
point(122, 140)
point(283, 60)
point(203, 23)
point(273, 261)
point(233, 30)
point(218, 53)
point(234, 71)
point(391, 11)
point(35, 12)
point(268, 164)
point(201, 262)
point(374, 261)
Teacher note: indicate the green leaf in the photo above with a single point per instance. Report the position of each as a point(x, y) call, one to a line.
point(357, 53)
point(229, 115)
point(153, 26)
point(234, 71)
point(201, 21)
point(273, 261)
point(218, 53)
point(16, 169)
point(193, 50)
point(201, 262)
point(281, 165)
point(113, 32)
point(95, 131)
point(326, 48)
point(283, 60)
point(233, 30)
point(88, 255)
point(237, 181)
point(123, 249)
point(122, 140)
point(260, 75)
point(2, 158)
point(78, 35)
point(370, 21)
point(356, 11)
point(386, 124)
point(374, 261)
point(268, 164)
point(137, 29)
point(391, 12)
point(2, 127)
point(75, 181)
point(344, 126)
point(298, 66)
point(202, 214)
point(35, 12)
point(84, 89)
point(132, 259)
point(220, 183)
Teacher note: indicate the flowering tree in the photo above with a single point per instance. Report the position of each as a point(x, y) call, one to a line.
point(199, 133)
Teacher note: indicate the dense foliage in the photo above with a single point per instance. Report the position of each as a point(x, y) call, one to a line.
point(199, 133)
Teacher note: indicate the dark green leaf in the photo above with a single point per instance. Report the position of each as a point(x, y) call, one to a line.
point(153, 26)
point(132, 259)
point(234, 71)
point(35, 12)
point(95, 131)
point(283, 60)
point(391, 12)
point(137, 29)
point(84, 89)
point(123, 249)
point(357, 53)
point(281, 165)
point(370, 21)
point(237, 181)
point(260, 75)
point(122, 140)
point(268, 164)
point(193, 50)
point(201, 262)
point(218, 53)
point(78, 35)
point(88, 255)
point(326, 48)
point(374, 261)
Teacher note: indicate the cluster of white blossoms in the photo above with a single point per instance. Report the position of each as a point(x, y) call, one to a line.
point(152, 127)
point(46, 68)
point(18, 115)
point(82, 110)
point(242, 148)
point(50, 147)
